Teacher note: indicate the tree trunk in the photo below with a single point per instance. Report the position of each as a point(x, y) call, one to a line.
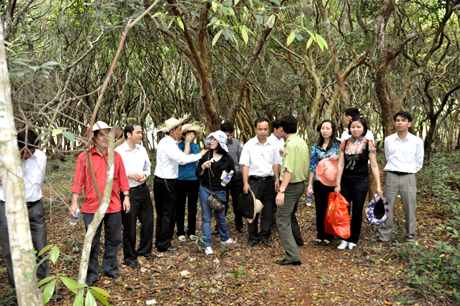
point(17, 217)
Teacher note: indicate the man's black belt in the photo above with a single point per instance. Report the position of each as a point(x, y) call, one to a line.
point(30, 204)
point(400, 173)
point(140, 186)
point(261, 178)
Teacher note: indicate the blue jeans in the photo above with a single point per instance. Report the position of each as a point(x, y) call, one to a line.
point(206, 216)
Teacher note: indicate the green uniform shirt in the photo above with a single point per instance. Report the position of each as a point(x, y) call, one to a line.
point(296, 159)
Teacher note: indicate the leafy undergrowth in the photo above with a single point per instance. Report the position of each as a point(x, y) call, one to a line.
point(374, 273)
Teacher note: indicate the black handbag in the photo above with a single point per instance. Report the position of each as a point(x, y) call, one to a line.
point(213, 201)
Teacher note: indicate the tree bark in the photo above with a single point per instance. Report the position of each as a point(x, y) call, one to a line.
point(17, 217)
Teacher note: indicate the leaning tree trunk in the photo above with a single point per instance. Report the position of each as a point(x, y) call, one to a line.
point(99, 215)
point(17, 217)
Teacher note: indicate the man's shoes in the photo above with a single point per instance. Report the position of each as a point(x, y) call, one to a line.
point(90, 283)
point(134, 265)
point(208, 251)
point(266, 243)
point(151, 257)
point(182, 238)
point(116, 275)
point(228, 241)
point(171, 249)
point(326, 242)
point(241, 230)
point(252, 243)
point(56, 298)
point(318, 241)
point(342, 245)
point(351, 245)
point(193, 237)
point(286, 262)
point(300, 243)
point(215, 232)
point(314, 223)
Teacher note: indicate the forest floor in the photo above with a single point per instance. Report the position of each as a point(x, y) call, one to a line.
point(374, 273)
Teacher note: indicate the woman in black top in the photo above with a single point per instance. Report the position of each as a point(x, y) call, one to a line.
point(352, 175)
point(209, 171)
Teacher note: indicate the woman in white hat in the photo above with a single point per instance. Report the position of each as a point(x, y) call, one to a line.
point(188, 183)
point(326, 147)
point(209, 170)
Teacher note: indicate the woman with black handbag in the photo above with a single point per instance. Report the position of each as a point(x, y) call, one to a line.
point(210, 169)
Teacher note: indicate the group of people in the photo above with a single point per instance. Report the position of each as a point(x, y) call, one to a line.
point(274, 169)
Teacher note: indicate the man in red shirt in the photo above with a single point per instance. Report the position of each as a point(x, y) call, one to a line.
point(112, 219)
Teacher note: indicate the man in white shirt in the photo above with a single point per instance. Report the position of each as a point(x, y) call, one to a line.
point(169, 157)
point(34, 167)
point(277, 137)
point(404, 154)
point(137, 166)
point(347, 116)
point(261, 163)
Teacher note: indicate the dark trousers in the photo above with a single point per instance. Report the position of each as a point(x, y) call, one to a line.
point(112, 228)
point(321, 198)
point(38, 232)
point(264, 191)
point(354, 190)
point(187, 190)
point(142, 209)
point(165, 193)
point(235, 187)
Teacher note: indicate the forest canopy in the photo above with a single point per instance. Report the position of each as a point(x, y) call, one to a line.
point(234, 60)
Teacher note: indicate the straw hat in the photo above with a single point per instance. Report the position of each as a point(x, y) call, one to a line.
point(326, 171)
point(196, 127)
point(172, 123)
point(249, 206)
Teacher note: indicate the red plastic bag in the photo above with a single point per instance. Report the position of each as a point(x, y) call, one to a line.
point(337, 221)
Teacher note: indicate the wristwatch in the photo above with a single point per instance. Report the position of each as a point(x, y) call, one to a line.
point(281, 191)
point(126, 195)
point(278, 180)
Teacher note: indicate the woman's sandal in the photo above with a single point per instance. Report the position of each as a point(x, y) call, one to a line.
point(326, 242)
point(319, 241)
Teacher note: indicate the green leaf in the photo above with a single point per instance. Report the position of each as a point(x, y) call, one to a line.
point(321, 42)
point(244, 33)
point(69, 136)
point(49, 246)
point(290, 38)
point(79, 299)
point(48, 291)
point(57, 131)
point(310, 40)
point(179, 22)
point(236, 2)
point(271, 21)
point(101, 291)
point(276, 2)
point(54, 254)
point(214, 40)
point(298, 36)
point(213, 20)
point(42, 135)
point(90, 300)
point(44, 281)
point(69, 283)
point(99, 296)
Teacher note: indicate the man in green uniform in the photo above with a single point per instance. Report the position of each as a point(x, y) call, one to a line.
point(294, 173)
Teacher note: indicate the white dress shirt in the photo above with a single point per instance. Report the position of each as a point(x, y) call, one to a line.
point(169, 157)
point(260, 158)
point(404, 155)
point(33, 172)
point(346, 135)
point(136, 160)
point(279, 142)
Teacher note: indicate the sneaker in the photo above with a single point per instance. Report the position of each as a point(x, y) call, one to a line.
point(208, 251)
point(182, 238)
point(342, 245)
point(192, 237)
point(229, 241)
point(351, 245)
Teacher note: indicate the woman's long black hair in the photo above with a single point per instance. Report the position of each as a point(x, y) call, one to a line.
point(333, 139)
